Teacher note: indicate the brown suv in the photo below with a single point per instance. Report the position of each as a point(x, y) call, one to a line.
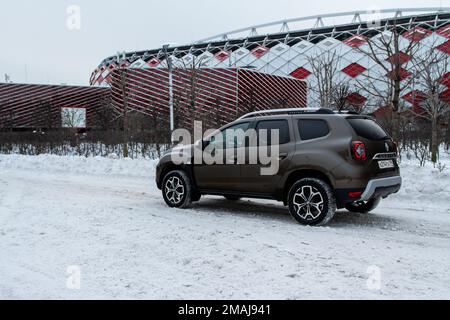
point(327, 161)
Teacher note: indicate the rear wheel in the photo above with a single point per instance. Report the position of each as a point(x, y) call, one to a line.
point(363, 206)
point(312, 202)
point(177, 189)
point(232, 198)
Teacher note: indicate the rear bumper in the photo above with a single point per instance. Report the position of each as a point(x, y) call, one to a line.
point(381, 188)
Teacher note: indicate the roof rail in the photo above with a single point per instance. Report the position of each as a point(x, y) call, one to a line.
point(286, 111)
point(348, 112)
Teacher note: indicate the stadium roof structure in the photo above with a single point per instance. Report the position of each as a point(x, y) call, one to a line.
point(288, 30)
point(285, 26)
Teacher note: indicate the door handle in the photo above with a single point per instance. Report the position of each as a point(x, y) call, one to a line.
point(282, 156)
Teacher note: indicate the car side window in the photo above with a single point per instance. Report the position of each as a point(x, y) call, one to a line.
point(312, 129)
point(281, 125)
point(231, 137)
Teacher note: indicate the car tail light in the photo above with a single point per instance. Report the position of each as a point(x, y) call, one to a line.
point(355, 195)
point(396, 147)
point(359, 150)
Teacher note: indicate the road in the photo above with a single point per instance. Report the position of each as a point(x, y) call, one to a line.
point(123, 242)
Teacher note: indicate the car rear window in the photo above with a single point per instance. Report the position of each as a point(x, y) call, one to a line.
point(312, 129)
point(368, 128)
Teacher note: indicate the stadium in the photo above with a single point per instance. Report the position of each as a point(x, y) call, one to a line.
point(289, 48)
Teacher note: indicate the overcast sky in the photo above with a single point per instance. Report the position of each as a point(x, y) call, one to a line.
point(38, 47)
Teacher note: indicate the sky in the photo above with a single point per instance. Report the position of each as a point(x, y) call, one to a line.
point(62, 41)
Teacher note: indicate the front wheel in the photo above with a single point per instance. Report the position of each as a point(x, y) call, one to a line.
point(363, 206)
point(177, 189)
point(312, 202)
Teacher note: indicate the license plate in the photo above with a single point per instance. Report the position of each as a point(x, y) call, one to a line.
point(386, 164)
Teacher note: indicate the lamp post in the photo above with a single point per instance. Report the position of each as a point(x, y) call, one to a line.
point(170, 69)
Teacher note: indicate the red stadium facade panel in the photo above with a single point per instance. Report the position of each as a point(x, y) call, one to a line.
point(24, 106)
point(219, 95)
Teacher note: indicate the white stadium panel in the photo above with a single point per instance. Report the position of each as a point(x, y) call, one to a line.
point(280, 49)
point(271, 59)
point(368, 62)
point(189, 60)
point(280, 72)
point(279, 64)
point(258, 64)
point(268, 69)
point(294, 57)
point(433, 40)
point(343, 49)
point(300, 60)
point(302, 46)
point(176, 62)
point(105, 73)
point(361, 59)
point(205, 59)
point(242, 57)
point(313, 52)
point(328, 44)
point(139, 64)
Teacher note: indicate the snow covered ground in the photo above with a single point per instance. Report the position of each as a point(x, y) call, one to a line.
point(106, 219)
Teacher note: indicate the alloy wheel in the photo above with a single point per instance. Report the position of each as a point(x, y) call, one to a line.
point(175, 190)
point(308, 202)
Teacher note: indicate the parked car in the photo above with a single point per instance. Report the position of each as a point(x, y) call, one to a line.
point(327, 161)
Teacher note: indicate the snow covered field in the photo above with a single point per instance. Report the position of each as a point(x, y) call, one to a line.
point(106, 219)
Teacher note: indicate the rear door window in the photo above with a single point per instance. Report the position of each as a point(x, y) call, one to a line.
point(312, 129)
point(368, 128)
point(281, 125)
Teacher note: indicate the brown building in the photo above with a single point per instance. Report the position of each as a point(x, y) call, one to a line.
point(214, 96)
point(27, 106)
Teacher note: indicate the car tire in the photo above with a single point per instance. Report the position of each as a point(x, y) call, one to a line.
point(363, 206)
point(232, 198)
point(312, 202)
point(177, 189)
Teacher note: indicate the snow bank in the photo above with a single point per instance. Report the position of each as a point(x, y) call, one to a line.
point(79, 165)
point(427, 185)
point(420, 184)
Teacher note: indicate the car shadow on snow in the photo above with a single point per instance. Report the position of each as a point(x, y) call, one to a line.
point(274, 211)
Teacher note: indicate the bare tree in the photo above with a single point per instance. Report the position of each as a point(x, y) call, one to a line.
point(430, 67)
point(73, 117)
point(6, 116)
point(325, 70)
point(332, 88)
point(104, 114)
point(188, 101)
point(123, 80)
point(339, 97)
point(392, 53)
